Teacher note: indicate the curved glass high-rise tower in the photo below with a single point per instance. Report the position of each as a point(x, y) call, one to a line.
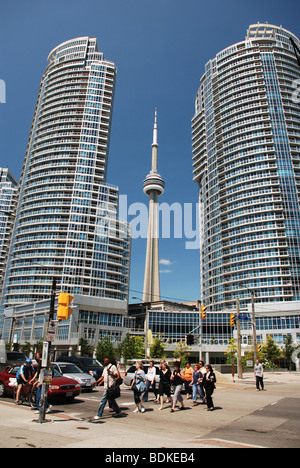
point(246, 141)
point(63, 195)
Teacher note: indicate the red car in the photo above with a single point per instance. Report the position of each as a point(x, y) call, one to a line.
point(61, 387)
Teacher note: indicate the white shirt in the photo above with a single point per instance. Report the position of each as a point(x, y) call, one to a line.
point(109, 380)
point(151, 373)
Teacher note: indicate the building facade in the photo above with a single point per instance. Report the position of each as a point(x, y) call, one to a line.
point(66, 223)
point(246, 145)
point(92, 320)
point(171, 322)
point(8, 192)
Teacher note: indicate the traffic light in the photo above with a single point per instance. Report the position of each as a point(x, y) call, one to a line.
point(258, 348)
point(190, 339)
point(203, 312)
point(64, 310)
point(232, 320)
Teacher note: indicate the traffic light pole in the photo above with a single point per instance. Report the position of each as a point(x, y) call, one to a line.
point(46, 358)
point(254, 328)
point(239, 349)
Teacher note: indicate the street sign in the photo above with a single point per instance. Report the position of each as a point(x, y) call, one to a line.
point(51, 331)
point(45, 354)
point(244, 317)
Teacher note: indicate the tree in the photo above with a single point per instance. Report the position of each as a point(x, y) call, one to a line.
point(182, 352)
point(288, 350)
point(158, 348)
point(271, 352)
point(86, 349)
point(105, 349)
point(132, 347)
point(231, 351)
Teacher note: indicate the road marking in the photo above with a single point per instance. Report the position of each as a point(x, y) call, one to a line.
point(225, 443)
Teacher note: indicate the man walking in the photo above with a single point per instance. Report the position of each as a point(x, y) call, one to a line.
point(259, 375)
point(108, 377)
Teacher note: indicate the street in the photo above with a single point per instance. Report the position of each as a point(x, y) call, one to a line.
point(242, 418)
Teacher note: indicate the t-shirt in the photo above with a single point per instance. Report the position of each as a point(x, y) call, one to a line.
point(28, 372)
point(188, 374)
point(196, 376)
point(109, 380)
point(151, 373)
point(259, 370)
point(177, 380)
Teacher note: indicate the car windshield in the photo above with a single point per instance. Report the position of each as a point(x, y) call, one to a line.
point(56, 373)
point(14, 370)
point(69, 369)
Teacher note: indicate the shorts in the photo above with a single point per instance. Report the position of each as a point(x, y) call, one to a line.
point(20, 381)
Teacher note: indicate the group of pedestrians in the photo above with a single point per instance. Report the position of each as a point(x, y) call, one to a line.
point(199, 380)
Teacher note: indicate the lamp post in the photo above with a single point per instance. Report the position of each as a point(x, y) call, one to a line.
point(239, 350)
point(46, 356)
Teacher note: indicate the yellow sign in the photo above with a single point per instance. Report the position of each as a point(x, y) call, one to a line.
point(150, 338)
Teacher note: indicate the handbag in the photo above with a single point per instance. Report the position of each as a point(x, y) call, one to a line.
point(134, 388)
point(113, 392)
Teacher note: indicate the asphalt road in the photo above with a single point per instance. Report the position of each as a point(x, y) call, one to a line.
point(242, 418)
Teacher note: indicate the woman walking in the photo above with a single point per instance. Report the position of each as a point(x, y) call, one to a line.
point(164, 384)
point(209, 380)
point(150, 382)
point(177, 379)
point(188, 377)
point(138, 386)
point(197, 378)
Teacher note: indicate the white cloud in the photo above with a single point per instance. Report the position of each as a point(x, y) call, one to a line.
point(164, 261)
point(165, 271)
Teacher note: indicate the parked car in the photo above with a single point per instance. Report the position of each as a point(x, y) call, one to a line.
point(86, 364)
point(129, 375)
point(11, 358)
point(61, 387)
point(67, 369)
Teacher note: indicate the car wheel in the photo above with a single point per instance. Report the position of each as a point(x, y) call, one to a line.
point(2, 390)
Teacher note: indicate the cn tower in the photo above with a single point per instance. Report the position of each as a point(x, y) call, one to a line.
point(153, 187)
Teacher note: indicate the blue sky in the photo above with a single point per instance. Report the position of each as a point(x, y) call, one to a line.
point(160, 48)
